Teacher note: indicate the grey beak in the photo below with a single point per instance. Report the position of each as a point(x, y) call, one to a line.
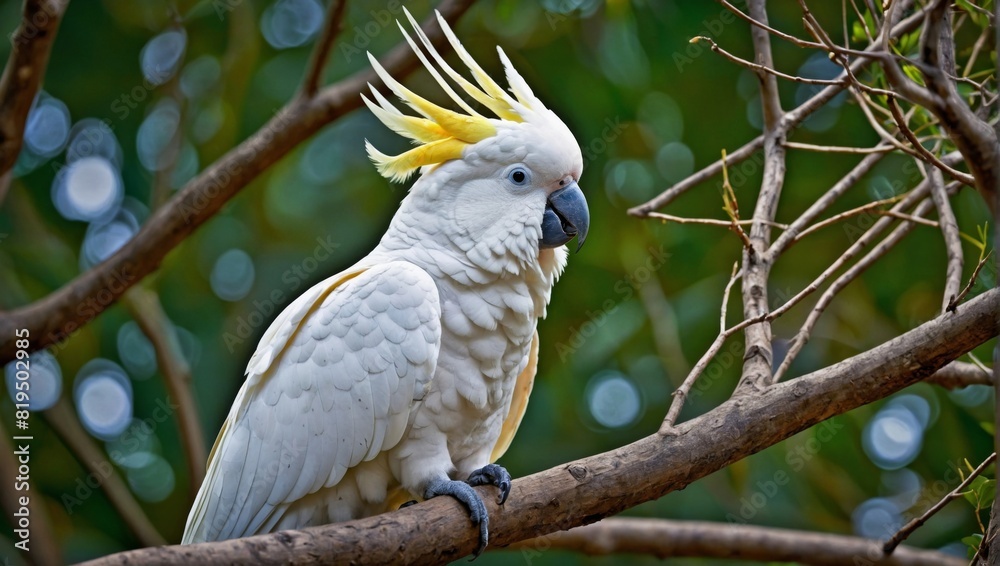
point(566, 215)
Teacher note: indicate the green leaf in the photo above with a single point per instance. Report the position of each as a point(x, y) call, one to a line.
point(973, 541)
point(914, 74)
point(907, 45)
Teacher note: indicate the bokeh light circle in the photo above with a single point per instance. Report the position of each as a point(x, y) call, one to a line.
point(103, 397)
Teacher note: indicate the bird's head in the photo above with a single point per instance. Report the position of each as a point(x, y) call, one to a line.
point(504, 180)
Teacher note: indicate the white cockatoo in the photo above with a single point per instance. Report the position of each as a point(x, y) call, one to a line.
point(406, 376)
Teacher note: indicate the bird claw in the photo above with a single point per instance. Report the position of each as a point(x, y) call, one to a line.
point(492, 474)
point(464, 493)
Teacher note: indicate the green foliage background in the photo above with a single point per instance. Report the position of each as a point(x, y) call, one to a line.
point(616, 309)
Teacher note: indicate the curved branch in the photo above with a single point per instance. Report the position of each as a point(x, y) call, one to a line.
point(960, 374)
point(31, 46)
point(145, 307)
point(590, 489)
point(56, 316)
point(664, 538)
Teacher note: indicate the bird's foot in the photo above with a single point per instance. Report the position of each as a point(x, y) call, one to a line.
point(463, 492)
point(492, 474)
point(408, 503)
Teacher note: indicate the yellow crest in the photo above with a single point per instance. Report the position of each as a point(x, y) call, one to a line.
point(442, 134)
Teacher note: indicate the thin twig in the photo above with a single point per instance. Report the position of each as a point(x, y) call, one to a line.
point(790, 120)
point(732, 208)
point(837, 148)
point(321, 51)
point(792, 234)
point(867, 208)
point(681, 393)
point(802, 337)
point(913, 525)
point(897, 115)
point(957, 300)
point(763, 68)
point(794, 40)
point(708, 221)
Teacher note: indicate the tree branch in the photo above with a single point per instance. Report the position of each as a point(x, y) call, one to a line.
point(791, 120)
point(321, 51)
point(757, 355)
point(144, 305)
point(56, 316)
point(907, 529)
point(960, 374)
point(590, 489)
point(31, 46)
point(664, 538)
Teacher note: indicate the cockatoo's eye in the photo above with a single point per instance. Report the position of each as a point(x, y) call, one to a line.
point(519, 176)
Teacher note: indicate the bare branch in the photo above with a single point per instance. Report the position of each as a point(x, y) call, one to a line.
point(56, 316)
point(664, 538)
point(791, 120)
point(897, 115)
point(824, 202)
point(667, 427)
point(907, 529)
point(587, 490)
point(952, 241)
point(756, 269)
point(764, 68)
point(968, 286)
point(144, 305)
point(961, 374)
point(870, 208)
point(883, 247)
point(31, 45)
point(974, 138)
point(763, 25)
point(321, 51)
point(837, 148)
point(708, 221)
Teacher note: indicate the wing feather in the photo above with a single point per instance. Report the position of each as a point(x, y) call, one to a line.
point(330, 385)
